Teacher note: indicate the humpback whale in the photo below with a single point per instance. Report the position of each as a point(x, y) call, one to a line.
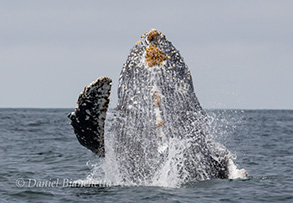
point(158, 118)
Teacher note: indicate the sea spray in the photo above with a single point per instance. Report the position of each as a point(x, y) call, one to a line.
point(168, 175)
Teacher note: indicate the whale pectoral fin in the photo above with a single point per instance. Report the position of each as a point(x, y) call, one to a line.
point(88, 119)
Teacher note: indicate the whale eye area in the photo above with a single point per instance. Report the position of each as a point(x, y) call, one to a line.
point(154, 56)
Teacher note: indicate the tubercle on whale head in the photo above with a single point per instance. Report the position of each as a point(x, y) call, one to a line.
point(152, 35)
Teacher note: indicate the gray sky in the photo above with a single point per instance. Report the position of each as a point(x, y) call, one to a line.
point(240, 52)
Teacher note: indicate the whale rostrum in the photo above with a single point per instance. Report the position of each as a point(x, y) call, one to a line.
point(158, 118)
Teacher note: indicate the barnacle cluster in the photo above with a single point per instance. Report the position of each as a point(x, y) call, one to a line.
point(156, 99)
point(160, 123)
point(153, 34)
point(154, 56)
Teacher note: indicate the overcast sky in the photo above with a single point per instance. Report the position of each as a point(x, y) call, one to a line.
point(240, 52)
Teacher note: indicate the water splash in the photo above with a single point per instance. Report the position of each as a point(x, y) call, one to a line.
point(106, 172)
point(223, 126)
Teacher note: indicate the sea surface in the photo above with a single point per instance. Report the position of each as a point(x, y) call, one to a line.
point(40, 156)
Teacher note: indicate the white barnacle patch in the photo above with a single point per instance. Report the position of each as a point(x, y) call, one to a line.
point(156, 99)
point(156, 95)
point(162, 148)
point(159, 121)
point(141, 59)
point(130, 107)
point(185, 86)
point(188, 74)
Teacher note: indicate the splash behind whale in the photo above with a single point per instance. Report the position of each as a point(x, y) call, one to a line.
point(158, 122)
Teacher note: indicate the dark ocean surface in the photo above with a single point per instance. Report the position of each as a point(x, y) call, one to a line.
point(40, 155)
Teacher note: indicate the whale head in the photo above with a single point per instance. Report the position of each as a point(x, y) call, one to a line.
point(157, 107)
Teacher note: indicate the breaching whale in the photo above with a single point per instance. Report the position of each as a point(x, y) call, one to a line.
point(157, 107)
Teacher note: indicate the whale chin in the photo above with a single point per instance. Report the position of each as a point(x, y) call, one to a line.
point(158, 119)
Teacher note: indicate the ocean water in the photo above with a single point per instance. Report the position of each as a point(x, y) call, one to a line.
point(40, 156)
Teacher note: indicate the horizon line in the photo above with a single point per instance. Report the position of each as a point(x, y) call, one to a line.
point(224, 108)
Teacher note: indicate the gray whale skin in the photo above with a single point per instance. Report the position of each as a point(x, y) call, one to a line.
point(157, 107)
